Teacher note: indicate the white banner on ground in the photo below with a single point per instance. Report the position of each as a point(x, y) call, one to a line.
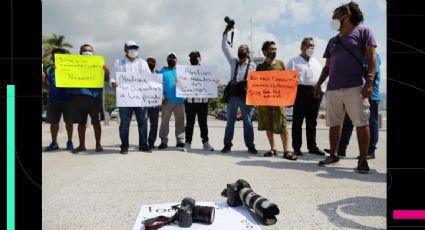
point(138, 89)
point(225, 217)
point(196, 81)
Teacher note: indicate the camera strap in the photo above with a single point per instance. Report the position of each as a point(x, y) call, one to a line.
point(156, 222)
point(237, 67)
point(338, 41)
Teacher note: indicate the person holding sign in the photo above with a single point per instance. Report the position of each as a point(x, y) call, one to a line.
point(272, 119)
point(88, 101)
point(153, 112)
point(193, 107)
point(171, 104)
point(239, 68)
point(346, 90)
point(306, 104)
point(59, 103)
point(132, 63)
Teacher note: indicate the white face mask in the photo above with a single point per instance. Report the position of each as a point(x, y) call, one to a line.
point(133, 53)
point(335, 24)
point(309, 52)
point(87, 53)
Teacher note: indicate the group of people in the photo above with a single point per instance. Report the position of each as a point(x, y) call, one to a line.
point(352, 97)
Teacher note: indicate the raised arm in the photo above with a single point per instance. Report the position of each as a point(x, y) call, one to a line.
point(225, 46)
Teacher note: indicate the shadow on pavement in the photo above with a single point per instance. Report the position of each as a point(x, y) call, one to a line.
point(355, 206)
point(332, 172)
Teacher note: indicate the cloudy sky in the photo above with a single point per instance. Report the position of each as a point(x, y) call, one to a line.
point(181, 26)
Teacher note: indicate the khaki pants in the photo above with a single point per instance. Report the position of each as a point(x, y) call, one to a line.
point(178, 110)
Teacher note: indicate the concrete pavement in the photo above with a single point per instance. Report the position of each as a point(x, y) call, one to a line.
point(106, 190)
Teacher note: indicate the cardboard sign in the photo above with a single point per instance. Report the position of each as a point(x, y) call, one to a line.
point(272, 88)
point(138, 89)
point(225, 217)
point(196, 81)
point(79, 71)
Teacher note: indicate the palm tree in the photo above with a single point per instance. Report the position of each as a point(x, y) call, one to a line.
point(49, 43)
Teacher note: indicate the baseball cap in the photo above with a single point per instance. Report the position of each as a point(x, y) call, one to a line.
point(195, 53)
point(172, 53)
point(130, 44)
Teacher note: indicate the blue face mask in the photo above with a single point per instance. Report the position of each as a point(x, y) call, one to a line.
point(87, 53)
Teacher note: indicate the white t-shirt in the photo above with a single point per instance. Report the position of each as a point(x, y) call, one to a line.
point(125, 65)
point(308, 71)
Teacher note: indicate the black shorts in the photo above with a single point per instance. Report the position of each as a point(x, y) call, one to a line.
point(84, 105)
point(56, 108)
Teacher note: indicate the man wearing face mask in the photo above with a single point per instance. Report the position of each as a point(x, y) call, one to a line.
point(171, 104)
point(272, 119)
point(88, 101)
point(193, 107)
point(153, 112)
point(239, 68)
point(306, 104)
point(346, 90)
point(132, 63)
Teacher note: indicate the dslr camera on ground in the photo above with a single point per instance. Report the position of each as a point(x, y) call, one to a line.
point(240, 193)
point(188, 213)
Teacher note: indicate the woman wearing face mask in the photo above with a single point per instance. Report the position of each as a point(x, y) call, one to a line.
point(306, 106)
point(349, 87)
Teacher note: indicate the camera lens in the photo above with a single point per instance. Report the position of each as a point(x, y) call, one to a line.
point(204, 214)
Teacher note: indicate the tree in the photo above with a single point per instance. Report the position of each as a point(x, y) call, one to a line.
point(51, 42)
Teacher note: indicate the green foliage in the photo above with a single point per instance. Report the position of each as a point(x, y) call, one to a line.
point(51, 42)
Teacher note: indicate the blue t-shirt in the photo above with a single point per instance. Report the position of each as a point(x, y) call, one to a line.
point(344, 70)
point(169, 79)
point(56, 94)
point(93, 92)
point(375, 94)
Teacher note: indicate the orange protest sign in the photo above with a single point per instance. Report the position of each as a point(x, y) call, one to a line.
point(274, 88)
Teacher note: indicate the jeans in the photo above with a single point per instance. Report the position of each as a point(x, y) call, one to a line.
point(347, 129)
point(153, 114)
point(248, 131)
point(193, 109)
point(142, 119)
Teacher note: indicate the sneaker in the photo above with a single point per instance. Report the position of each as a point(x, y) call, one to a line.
point(151, 146)
point(362, 166)
point(298, 152)
point(226, 149)
point(252, 150)
point(180, 145)
point(317, 151)
point(208, 147)
point(162, 146)
point(124, 151)
point(340, 154)
point(52, 147)
point(187, 147)
point(69, 145)
point(329, 160)
point(145, 149)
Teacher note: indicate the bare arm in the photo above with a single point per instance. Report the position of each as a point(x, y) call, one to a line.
point(323, 76)
point(368, 86)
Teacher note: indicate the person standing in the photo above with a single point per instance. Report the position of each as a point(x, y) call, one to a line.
point(59, 103)
point(346, 91)
point(239, 68)
point(88, 101)
point(306, 105)
point(153, 112)
point(193, 107)
point(132, 63)
point(171, 104)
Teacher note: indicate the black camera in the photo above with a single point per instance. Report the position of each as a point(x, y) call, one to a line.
point(230, 22)
point(241, 193)
point(189, 213)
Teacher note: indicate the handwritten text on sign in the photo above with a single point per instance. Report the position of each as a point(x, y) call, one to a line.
point(196, 81)
point(138, 89)
point(274, 88)
point(79, 71)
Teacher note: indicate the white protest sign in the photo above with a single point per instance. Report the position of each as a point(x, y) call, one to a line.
point(138, 89)
point(196, 81)
point(225, 217)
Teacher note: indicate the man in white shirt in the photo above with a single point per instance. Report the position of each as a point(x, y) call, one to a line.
point(306, 105)
point(132, 63)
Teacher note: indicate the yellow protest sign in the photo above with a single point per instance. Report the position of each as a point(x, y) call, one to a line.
point(79, 71)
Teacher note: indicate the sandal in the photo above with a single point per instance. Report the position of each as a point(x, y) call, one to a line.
point(78, 149)
point(288, 155)
point(99, 149)
point(270, 153)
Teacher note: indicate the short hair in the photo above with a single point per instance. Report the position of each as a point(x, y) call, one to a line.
point(245, 46)
point(195, 53)
point(59, 51)
point(267, 44)
point(85, 45)
point(353, 8)
point(151, 58)
point(305, 40)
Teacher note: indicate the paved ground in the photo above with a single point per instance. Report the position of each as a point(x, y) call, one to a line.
point(105, 191)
